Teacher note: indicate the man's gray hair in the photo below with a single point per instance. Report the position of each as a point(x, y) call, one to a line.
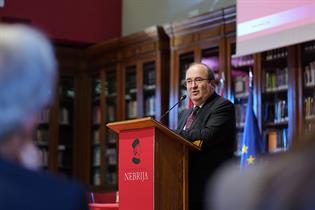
point(27, 75)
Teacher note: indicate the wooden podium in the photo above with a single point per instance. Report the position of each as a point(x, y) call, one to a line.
point(153, 166)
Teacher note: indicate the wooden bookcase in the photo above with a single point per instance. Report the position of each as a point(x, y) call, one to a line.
point(198, 39)
point(55, 135)
point(129, 80)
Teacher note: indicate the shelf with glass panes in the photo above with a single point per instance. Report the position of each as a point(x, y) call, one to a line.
point(96, 120)
point(308, 69)
point(66, 129)
point(130, 92)
point(240, 69)
point(210, 57)
point(184, 61)
point(149, 88)
point(111, 137)
point(42, 137)
point(275, 99)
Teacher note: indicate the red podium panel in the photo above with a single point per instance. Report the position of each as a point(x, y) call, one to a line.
point(153, 166)
point(136, 169)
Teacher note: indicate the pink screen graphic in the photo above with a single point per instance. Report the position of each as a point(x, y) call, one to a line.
point(262, 17)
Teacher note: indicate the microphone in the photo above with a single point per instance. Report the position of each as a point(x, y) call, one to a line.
point(180, 100)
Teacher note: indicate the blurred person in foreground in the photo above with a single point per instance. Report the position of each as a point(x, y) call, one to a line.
point(280, 182)
point(212, 120)
point(28, 74)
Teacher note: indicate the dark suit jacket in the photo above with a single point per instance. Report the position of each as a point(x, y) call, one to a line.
point(215, 125)
point(29, 190)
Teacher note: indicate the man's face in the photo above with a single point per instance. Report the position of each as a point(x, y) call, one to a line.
point(198, 86)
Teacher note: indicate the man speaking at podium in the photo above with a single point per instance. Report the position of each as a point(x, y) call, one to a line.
point(212, 120)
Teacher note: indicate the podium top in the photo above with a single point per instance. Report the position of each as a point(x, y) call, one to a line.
point(148, 122)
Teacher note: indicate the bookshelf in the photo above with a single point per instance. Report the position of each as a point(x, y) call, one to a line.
point(66, 125)
point(133, 76)
point(149, 85)
point(131, 101)
point(96, 131)
point(111, 138)
point(274, 97)
point(42, 137)
point(308, 75)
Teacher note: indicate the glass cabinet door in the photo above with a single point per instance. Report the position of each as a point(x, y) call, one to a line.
point(111, 138)
point(96, 121)
point(66, 114)
point(149, 88)
point(308, 70)
point(131, 93)
point(275, 99)
point(42, 137)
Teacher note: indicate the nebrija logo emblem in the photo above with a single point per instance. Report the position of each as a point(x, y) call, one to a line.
point(136, 149)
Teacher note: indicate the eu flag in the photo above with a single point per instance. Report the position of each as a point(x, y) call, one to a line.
point(251, 145)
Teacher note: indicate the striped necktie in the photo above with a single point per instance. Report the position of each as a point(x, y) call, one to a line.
point(191, 117)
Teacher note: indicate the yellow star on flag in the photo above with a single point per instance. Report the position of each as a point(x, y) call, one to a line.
point(250, 160)
point(244, 149)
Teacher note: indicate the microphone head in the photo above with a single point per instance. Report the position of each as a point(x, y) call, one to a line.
point(182, 97)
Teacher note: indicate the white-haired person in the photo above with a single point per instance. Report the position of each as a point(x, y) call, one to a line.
point(28, 73)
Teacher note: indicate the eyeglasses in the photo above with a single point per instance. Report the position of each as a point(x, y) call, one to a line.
point(197, 81)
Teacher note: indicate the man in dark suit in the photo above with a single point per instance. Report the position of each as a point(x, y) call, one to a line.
point(212, 120)
point(27, 81)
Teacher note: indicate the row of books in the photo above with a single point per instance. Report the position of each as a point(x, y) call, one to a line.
point(96, 137)
point(96, 155)
point(110, 87)
point(111, 113)
point(64, 116)
point(149, 78)
point(276, 54)
point(97, 87)
point(111, 178)
point(96, 176)
point(111, 156)
point(277, 140)
point(44, 156)
point(44, 117)
point(64, 157)
point(131, 107)
point(309, 107)
point(276, 80)
point(111, 137)
point(309, 48)
point(131, 82)
point(149, 106)
point(276, 111)
point(96, 115)
point(42, 137)
point(309, 74)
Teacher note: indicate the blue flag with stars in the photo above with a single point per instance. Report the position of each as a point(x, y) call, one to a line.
point(251, 145)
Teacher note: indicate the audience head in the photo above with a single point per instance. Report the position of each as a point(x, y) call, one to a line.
point(27, 80)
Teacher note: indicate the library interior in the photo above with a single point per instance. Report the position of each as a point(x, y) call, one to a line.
point(108, 76)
